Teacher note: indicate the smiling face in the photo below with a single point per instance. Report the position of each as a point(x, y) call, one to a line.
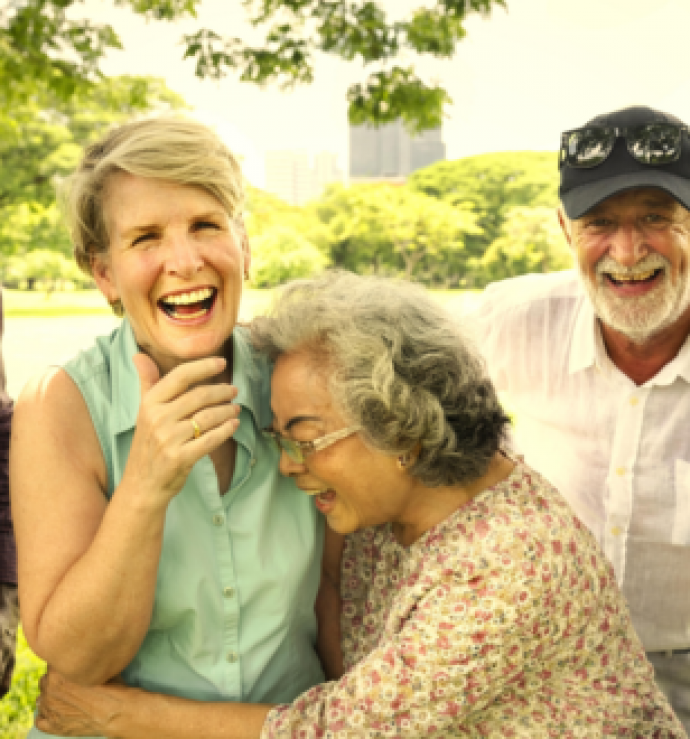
point(177, 265)
point(633, 252)
point(353, 485)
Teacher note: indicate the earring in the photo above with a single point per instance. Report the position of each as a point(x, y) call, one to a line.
point(403, 461)
point(118, 308)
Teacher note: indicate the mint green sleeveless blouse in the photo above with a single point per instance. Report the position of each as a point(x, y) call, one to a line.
point(233, 618)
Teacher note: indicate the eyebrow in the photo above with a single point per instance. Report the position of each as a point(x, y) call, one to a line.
point(648, 202)
point(153, 226)
point(297, 419)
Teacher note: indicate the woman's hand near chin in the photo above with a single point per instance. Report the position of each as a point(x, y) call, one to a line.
point(181, 419)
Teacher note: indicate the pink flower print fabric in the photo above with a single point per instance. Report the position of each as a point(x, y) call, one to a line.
point(502, 621)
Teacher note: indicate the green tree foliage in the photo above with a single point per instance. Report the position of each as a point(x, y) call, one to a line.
point(49, 269)
point(41, 44)
point(42, 136)
point(286, 241)
point(388, 229)
point(17, 707)
point(41, 139)
point(531, 241)
point(492, 184)
point(282, 254)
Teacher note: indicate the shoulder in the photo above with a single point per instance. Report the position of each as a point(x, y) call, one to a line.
point(528, 292)
point(509, 528)
point(515, 317)
point(51, 392)
point(95, 360)
point(51, 416)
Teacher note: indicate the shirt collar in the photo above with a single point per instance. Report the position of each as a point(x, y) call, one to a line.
point(248, 375)
point(679, 366)
point(587, 349)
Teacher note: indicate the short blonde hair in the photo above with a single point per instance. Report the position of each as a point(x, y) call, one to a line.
point(170, 148)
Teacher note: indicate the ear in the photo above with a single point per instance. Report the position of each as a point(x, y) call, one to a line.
point(246, 250)
point(565, 226)
point(103, 275)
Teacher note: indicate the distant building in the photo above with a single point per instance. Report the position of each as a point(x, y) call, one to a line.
point(326, 171)
point(290, 176)
point(390, 153)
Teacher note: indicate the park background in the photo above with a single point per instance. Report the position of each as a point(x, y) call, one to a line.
point(510, 80)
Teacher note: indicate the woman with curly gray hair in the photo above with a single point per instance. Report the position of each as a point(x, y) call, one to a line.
point(472, 601)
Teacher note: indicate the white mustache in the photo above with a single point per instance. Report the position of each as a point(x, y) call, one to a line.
point(608, 265)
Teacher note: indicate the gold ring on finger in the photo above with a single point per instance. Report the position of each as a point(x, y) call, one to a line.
point(197, 430)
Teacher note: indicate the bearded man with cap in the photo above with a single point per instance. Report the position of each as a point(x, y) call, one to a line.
point(595, 363)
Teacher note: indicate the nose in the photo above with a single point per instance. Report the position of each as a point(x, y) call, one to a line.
point(288, 466)
point(182, 257)
point(628, 245)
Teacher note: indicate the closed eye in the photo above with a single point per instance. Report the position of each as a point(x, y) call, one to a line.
point(200, 225)
point(144, 237)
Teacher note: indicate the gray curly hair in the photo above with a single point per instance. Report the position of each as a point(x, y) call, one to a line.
point(398, 365)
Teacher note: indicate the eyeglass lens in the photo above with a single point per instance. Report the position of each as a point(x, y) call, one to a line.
point(590, 147)
point(290, 448)
point(652, 144)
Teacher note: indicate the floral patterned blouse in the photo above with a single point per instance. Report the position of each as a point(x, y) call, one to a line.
point(504, 620)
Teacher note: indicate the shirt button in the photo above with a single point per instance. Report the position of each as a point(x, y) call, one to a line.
point(634, 401)
point(229, 592)
point(620, 471)
point(231, 657)
point(615, 531)
point(218, 519)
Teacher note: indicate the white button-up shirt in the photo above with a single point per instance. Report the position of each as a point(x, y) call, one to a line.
point(619, 453)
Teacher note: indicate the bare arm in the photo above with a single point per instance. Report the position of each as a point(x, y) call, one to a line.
point(327, 607)
point(87, 569)
point(119, 712)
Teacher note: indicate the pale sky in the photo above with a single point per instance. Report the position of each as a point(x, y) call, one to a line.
point(519, 78)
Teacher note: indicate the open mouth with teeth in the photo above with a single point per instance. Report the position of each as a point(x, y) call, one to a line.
point(189, 305)
point(634, 279)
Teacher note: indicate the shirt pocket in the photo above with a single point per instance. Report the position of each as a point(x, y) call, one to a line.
point(680, 535)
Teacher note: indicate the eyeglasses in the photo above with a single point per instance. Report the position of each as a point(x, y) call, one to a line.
point(299, 450)
point(655, 144)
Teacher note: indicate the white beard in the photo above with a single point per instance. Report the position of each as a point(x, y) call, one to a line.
point(638, 318)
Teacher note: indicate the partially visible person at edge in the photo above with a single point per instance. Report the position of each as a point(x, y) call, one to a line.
point(596, 364)
point(9, 606)
point(156, 536)
point(474, 602)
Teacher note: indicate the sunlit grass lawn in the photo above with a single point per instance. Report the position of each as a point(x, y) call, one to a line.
point(91, 302)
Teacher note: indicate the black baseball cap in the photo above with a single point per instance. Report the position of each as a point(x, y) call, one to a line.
point(583, 189)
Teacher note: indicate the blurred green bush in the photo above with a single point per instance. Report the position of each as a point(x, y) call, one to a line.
point(17, 707)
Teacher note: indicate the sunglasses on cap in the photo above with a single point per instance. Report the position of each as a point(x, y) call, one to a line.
point(655, 144)
point(299, 450)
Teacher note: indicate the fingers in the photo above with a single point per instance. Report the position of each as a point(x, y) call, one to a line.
point(208, 405)
point(179, 380)
point(210, 440)
point(199, 398)
point(210, 419)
